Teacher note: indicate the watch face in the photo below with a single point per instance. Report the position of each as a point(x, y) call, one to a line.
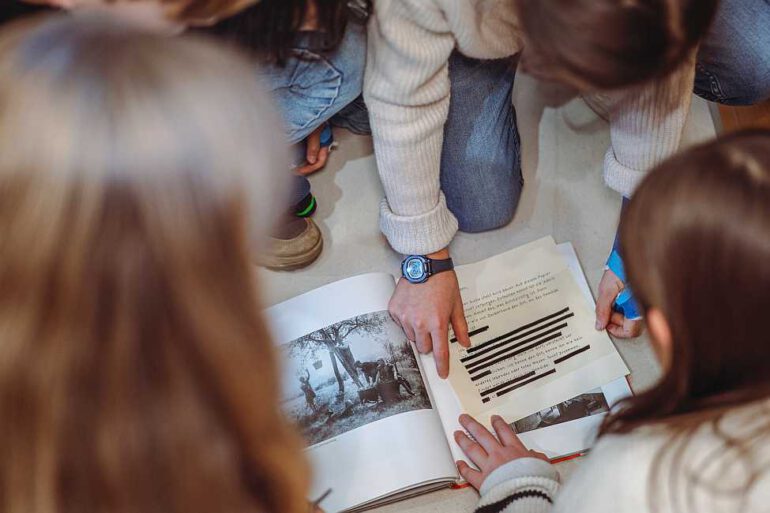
point(414, 269)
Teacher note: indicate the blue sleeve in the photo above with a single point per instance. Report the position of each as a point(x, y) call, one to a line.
point(625, 303)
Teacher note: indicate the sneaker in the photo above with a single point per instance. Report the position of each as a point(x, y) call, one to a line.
point(306, 207)
point(296, 251)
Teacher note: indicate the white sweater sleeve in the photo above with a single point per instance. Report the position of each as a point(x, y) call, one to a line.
point(646, 126)
point(527, 485)
point(407, 92)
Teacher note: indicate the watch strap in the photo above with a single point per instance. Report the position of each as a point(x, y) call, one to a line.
point(440, 266)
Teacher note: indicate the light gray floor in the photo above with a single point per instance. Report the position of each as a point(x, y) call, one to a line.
point(564, 196)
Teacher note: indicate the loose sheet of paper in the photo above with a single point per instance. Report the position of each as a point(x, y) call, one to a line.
point(556, 441)
point(533, 336)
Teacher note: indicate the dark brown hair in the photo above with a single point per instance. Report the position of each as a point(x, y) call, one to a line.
point(136, 373)
point(271, 28)
point(696, 240)
point(611, 44)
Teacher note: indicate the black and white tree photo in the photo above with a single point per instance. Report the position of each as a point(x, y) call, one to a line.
point(350, 374)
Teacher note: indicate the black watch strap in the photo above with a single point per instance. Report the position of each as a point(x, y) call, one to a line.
point(440, 266)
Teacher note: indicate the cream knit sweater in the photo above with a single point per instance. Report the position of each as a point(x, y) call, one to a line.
point(649, 472)
point(407, 91)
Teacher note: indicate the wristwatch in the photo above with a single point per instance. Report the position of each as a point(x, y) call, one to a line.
point(418, 268)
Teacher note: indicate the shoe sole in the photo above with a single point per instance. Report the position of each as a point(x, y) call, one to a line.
point(295, 262)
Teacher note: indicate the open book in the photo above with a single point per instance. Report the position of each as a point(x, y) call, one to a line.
point(379, 421)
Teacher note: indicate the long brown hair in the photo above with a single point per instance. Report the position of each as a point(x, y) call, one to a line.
point(136, 374)
point(612, 44)
point(696, 240)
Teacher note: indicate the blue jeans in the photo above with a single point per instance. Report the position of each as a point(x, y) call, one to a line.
point(480, 165)
point(734, 60)
point(481, 157)
point(313, 88)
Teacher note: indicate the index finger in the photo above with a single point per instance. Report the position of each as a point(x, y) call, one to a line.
point(313, 146)
point(460, 325)
point(481, 434)
point(604, 306)
point(440, 338)
point(505, 433)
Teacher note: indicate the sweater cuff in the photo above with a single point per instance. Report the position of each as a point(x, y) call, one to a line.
point(522, 468)
point(421, 234)
point(526, 484)
point(619, 177)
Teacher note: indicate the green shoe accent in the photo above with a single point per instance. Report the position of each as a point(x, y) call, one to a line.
point(309, 209)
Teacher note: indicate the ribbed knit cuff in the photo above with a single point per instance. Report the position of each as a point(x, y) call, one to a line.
point(422, 234)
point(619, 177)
point(524, 485)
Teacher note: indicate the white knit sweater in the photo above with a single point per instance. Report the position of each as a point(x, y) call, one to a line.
point(407, 91)
point(645, 472)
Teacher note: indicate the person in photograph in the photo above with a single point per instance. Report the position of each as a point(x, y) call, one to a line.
point(438, 87)
point(369, 370)
point(697, 230)
point(403, 382)
point(385, 372)
point(307, 389)
point(136, 372)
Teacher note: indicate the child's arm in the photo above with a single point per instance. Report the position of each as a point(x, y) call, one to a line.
point(646, 126)
point(510, 478)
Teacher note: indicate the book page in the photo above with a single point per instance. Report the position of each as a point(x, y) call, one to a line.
point(534, 343)
point(354, 387)
point(558, 428)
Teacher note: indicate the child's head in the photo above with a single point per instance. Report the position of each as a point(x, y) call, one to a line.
point(610, 44)
point(159, 12)
point(135, 371)
point(696, 242)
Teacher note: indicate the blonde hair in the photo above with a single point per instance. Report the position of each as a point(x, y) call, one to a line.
point(136, 374)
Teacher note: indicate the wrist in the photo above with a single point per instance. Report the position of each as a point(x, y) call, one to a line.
point(418, 269)
point(441, 254)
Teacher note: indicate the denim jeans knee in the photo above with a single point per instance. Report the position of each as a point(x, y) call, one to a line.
point(734, 59)
point(480, 162)
point(314, 86)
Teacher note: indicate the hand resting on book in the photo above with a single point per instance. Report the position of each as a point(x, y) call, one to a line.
point(487, 451)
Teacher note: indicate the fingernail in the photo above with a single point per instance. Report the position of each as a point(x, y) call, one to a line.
point(311, 159)
point(598, 325)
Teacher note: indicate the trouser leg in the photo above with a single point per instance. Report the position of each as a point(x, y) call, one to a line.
point(481, 158)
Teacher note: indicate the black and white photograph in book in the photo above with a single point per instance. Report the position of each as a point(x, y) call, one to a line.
point(350, 374)
point(584, 405)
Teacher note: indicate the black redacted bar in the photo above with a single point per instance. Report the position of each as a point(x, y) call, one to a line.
point(472, 333)
point(492, 360)
point(573, 353)
point(517, 334)
point(519, 385)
